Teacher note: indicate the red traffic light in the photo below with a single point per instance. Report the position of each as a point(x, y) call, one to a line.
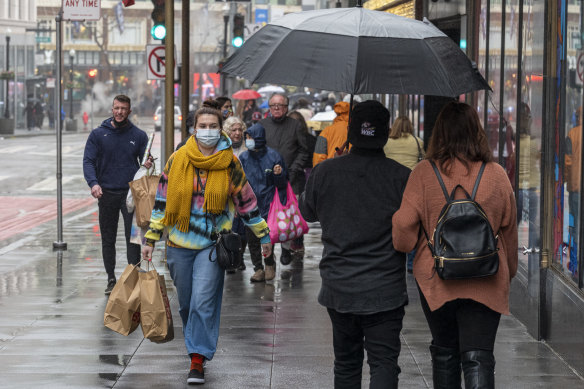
point(92, 73)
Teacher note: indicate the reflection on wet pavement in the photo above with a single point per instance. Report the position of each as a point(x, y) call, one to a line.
point(273, 335)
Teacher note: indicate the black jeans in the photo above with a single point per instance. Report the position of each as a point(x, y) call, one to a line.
point(110, 204)
point(462, 324)
point(379, 335)
point(255, 251)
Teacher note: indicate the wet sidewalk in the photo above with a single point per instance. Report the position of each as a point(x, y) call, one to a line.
point(272, 335)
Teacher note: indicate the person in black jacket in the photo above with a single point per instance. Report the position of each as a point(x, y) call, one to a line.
point(110, 161)
point(363, 277)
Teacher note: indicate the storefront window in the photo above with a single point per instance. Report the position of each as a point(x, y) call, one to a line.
point(566, 252)
point(529, 141)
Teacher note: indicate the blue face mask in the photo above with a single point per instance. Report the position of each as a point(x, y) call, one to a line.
point(191, 130)
point(208, 138)
point(250, 144)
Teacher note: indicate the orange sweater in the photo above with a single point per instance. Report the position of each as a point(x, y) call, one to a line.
point(423, 200)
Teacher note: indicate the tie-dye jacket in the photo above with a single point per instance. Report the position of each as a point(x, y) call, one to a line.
point(241, 200)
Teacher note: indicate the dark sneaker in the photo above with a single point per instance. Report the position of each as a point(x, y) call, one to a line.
point(241, 267)
point(197, 373)
point(196, 377)
point(230, 271)
point(286, 257)
point(110, 285)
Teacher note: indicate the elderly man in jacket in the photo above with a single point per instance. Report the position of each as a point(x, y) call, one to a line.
point(285, 135)
point(363, 277)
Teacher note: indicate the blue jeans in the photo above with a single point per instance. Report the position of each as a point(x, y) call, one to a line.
point(199, 285)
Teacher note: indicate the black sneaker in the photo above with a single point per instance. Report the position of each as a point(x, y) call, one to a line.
point(286, 257)
point(196, 377)
point(241, 267)
point(110, 285)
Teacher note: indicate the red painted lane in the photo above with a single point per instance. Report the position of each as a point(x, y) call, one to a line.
point(20, 214)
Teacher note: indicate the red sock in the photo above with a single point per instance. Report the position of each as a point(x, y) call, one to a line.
point(197, 362)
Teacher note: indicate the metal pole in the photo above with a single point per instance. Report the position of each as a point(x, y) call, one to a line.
point(6, 105)
point(59, 244)
point(91, 123)
point(71, 86)
point(223, 77)
point(185, 88)
point(168, 124)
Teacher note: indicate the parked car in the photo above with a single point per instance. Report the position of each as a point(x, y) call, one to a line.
point(158, 118)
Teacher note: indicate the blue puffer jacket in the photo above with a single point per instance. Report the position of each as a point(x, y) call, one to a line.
point(258, 165)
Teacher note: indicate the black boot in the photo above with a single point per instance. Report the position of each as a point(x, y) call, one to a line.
point(445, 367)
point(479, 369)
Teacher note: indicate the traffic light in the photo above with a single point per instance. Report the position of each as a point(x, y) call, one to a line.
point(238, 27)
point(92, 73)
point(158, 30)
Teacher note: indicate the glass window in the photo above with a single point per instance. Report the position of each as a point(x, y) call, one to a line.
point(566, 250)
point(494, 74)
point(529, 137)
point(132, 34)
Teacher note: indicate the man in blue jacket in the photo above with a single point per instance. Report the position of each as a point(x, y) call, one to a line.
point(111, 159)
point(265, 170)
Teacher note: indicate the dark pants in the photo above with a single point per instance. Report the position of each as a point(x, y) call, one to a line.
point(110, 204)
point(255, 251)
point(462, 324)
point(379, 335)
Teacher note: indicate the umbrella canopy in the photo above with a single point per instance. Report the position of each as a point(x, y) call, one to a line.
point(246, 94)
point(356, 50)
point(271, 89)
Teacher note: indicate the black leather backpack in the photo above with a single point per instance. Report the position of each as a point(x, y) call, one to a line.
point(463, 244)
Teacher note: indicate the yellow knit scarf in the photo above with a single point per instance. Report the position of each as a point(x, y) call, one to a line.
point(181, 178)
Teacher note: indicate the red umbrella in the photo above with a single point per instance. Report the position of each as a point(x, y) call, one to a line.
point(246, 94)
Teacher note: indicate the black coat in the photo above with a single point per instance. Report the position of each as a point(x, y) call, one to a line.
point(289, 139)
point(354, 197)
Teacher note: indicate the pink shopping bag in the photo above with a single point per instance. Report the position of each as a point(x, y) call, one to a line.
point(285, 221)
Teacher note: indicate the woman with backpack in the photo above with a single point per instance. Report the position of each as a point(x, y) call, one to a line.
point(463, 314)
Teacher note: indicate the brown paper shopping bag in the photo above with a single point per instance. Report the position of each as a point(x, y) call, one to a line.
point(155, 314)
point(144, 194)
point(122, 312)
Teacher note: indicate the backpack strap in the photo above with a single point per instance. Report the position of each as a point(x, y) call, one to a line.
point(437, 172)
point(476, 186)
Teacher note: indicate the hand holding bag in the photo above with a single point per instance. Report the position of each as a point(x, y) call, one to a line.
point(155, 314)
point(143, 191)
point(285, 221)
point(122, 312)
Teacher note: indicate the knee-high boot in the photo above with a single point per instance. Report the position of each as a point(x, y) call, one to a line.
point(445, 367)
point(479, 369)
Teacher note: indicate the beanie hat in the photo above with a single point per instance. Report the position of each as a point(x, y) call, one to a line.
point(369, 125)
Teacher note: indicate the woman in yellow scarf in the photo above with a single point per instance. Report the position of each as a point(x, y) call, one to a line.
point(202, 187)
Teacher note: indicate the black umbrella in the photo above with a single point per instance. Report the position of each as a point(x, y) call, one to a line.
point(356, 50)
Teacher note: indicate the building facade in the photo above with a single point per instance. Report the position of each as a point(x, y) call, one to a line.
point(17, 58)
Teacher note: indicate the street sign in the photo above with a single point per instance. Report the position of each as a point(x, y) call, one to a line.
point(43, 39)
point(81, 9)
point(156, 62)
point(261, 15)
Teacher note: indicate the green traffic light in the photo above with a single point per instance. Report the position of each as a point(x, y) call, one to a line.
point(237, 41)
point(158, 31)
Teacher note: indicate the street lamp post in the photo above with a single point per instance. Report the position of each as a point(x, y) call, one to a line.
point(6, 105)
point(71, 59)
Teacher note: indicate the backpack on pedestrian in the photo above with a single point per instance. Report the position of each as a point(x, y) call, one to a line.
point(463, 243)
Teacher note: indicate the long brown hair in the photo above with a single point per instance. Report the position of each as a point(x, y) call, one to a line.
point(458, 134)
point(401, 127)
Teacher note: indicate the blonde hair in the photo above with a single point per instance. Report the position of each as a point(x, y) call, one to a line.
point(230, 122)
point(401, 127)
